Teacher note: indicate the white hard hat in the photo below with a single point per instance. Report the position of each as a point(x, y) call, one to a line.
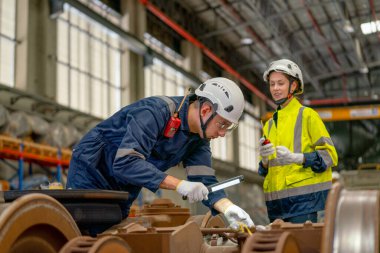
point(226, 94)
point(287, 67)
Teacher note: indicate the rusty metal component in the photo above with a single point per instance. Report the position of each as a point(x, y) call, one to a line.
point(352, 221)
point(93, 210)
point(35, 221)
point(216, 221)
point(86, 244)
point(185, 238)
point(307, 237)
point(209, 221)
point(271, 241)
point(69, 195)
point(164, 213)
point(217, 233)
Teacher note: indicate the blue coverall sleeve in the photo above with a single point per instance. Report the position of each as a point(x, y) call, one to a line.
point(198, 168)
point(315, 162)
point(144, 126)
point(325, 155)
point(262, 171)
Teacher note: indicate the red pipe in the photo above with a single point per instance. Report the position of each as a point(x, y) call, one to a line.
point(330, 101)
point(206, 51)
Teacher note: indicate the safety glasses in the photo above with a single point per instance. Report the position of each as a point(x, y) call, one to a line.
point(227, 126)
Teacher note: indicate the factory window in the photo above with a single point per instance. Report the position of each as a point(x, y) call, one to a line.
point(161, 79)
point(88, 65)
point(7, 41)
point(222, 148)
point(249, 135)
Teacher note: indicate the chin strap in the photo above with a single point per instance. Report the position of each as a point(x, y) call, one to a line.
point(204, 124)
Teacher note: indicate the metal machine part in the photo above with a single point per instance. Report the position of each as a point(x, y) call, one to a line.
point(39, 222)
point(93, 210)
point(271, 242)
point(352, 221)
point(35, 221)
point(86, 244)
point(284, 237)
point(186, 238)
point(199, 234)
point(164, 213)
point(189, 238)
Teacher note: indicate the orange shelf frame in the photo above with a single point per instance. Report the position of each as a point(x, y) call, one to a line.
point(38, 153)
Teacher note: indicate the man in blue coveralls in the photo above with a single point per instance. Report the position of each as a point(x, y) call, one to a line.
point(129, 151)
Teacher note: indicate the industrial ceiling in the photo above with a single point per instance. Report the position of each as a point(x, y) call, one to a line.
point(340, 63)
point(340, 59)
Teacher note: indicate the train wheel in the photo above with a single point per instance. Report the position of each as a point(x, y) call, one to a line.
point(35, 223)
point(86, 244)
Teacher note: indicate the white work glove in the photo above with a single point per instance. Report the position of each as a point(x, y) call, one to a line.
point(236, 215)
point(265, 150)
point(285, 156)
point(194, 191)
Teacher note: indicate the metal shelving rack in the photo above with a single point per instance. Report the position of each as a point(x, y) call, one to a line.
point(24, 151)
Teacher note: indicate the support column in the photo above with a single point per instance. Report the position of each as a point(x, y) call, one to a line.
point(133, 65)
point(193, 57)
point(36, 50)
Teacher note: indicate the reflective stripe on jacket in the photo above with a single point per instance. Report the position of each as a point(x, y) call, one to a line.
point(128, 151)
point(290, 189)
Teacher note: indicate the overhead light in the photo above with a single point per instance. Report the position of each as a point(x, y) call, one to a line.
point(347, 27)
point(364, 70)
point(246, 41)
point(370, 27)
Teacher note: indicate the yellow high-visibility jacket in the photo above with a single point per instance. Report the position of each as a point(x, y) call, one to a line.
point(291, 189)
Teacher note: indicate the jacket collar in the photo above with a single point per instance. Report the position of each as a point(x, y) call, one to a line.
point(293, 104)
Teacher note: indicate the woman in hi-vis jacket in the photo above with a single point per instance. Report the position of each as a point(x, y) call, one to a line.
point(296, 150)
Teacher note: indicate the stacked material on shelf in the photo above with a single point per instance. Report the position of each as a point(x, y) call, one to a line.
point(4, 117)
point(22, 125)
point(60, 135)
point(39, 126)
point(18, 126)
point(34, 128)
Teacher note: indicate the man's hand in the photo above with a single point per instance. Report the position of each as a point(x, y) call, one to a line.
point(285, 156)
point(194, 191)
point(265, 150)
point(236, 215)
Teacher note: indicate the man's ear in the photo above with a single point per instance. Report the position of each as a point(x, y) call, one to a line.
point(205, 109)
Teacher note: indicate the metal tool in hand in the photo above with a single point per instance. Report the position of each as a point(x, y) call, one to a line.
point(224, 184)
